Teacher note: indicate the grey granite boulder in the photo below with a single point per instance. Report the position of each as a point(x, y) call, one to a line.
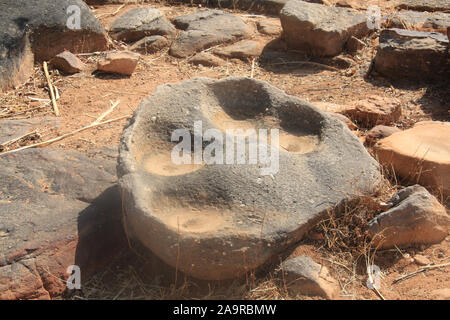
point(320, 30)
point(39, 29)
point(206, 28)
point(417, 55)
point(217, 221)
point(138, 23)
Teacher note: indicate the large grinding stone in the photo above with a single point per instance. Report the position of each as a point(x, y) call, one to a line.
point(216, 221)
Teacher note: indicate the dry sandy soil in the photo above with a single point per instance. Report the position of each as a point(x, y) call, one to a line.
point(83, 97)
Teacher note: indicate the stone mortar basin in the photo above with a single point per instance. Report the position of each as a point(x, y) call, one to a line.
point(218, 221)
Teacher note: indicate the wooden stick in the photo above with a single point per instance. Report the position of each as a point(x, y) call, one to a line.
point(104, 114)
point(423, 269)
point(47, 142)
point(50, 88)
point(6, 143)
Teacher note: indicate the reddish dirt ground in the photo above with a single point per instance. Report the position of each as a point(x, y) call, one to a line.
point(83, 97)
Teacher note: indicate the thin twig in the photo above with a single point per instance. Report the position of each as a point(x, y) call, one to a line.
point(47, 142)
point(423, 269)
point(50, 88)
point(104, 114)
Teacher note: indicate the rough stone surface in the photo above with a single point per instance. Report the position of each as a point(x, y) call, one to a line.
point(420, 154)
point(421, 260)
point(13, 129)
point(206, 28)
point(57, 208)
point(150, 44)
point(67, 62)
point(380, 132)
point(303, 276)
point(138, 23)
point(206, 59)
point(374, 110)
point(412, 54)
point(421, 21)
point(37, 29)
point(415, 218)
point(320, 30)
point(121, 62)
point(218, 221)
point(424, 5)
point(268, 27)
point(244, 49)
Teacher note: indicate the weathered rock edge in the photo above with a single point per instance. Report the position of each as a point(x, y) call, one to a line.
point(340, 170)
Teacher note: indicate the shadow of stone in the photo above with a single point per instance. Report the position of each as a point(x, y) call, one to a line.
point(101, 237)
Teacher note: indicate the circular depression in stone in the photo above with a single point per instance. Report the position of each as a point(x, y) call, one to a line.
point(217, 221)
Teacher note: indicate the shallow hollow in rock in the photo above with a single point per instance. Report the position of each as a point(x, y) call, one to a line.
point(217, 221)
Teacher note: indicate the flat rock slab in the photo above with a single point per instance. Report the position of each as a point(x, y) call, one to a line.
point(424, 5)
point(151, 44)
point(207, 28)
point(416, 217)
point(138, 23)
point(414, 55)
point(244, 49)
point(320, 30)
point(57, 208)
point(420, 154)
point(217, 221)
point(206, 59)
point(37, 29)
point(268, 27)
point(421, 21)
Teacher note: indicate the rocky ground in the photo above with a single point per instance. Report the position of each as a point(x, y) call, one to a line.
point(60, 204)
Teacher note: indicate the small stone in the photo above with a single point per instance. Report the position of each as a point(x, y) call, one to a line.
point(421, 260)
point(408, 54)
point(374, 110)
point(140, 22)
point(149, 45)
point(244, 49)
point(380, 132)
point(67, 62)
point(415, 218)
point(268, 27)
point(303, 276)
point(206, 59)
point(320, 30)
point(122, 62)
point(206, 28)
